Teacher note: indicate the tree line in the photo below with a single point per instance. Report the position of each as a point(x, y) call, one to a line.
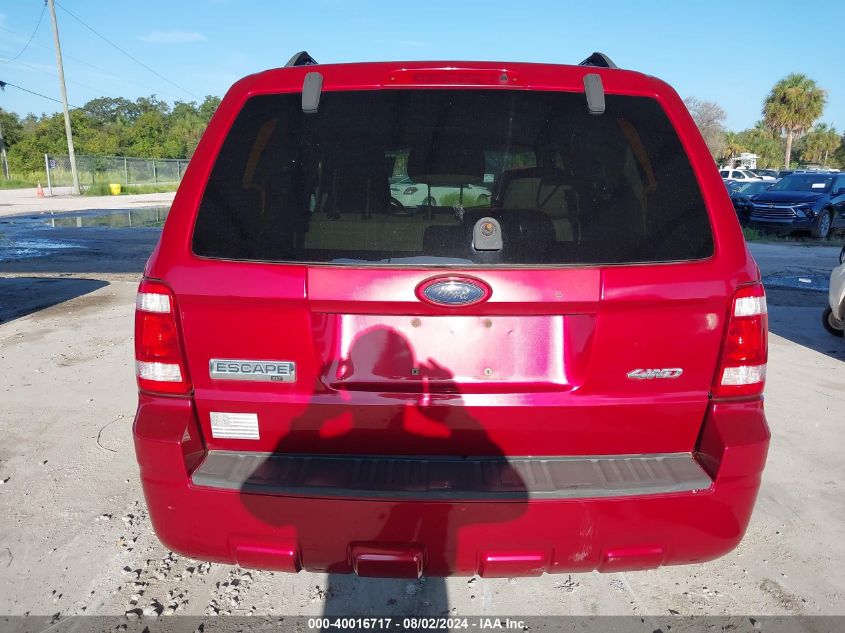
point(789, 133)
point(109, 126)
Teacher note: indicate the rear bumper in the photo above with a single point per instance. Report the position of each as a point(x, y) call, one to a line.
point(408, 537)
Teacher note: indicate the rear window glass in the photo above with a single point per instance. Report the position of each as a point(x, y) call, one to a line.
point(411, 177)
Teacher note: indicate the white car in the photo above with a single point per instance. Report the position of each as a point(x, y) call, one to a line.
point(739, 175)
point(411, 194)
point(770, 175)
point(833, 317)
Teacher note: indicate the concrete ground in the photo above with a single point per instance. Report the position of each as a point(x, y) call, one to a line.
point(75, 536)
point(19, 201)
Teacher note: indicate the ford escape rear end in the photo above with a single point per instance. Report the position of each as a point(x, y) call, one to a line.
point(562, 374)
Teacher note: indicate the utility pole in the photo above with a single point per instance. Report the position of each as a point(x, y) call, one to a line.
point(64, 98)
point(3, 153)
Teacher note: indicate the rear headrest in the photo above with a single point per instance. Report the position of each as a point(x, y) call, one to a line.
point(448, 160)
point(357, 177)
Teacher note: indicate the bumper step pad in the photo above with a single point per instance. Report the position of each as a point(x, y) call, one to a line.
point(451, 478)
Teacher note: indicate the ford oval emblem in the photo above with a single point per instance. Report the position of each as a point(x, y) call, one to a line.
point(453, 291)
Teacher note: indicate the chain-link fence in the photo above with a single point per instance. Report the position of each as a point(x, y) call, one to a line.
point(106, 170)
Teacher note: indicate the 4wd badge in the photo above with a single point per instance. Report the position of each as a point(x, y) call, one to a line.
point(651, 374)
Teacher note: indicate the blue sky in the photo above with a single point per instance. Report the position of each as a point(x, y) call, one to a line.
point(728, 52)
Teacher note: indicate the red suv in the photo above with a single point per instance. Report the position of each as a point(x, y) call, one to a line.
point(563, 372)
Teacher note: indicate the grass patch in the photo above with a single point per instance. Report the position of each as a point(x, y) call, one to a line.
point(469, 199)
point(756, 235)
point(752, 235)
point(102, 189)
point(16, 183)
point(23, 180)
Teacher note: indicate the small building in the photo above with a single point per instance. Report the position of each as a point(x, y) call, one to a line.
point(746, 160)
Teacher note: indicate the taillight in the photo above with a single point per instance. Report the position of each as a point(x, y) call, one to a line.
point(159, 362)
point(742, 369)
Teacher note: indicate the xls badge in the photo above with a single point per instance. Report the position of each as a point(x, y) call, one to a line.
point(261, 370)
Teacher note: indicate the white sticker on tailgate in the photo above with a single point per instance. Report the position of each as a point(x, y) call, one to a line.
point(238, 426)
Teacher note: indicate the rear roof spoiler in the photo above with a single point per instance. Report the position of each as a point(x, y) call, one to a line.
point(600, 60)
point(302, 58)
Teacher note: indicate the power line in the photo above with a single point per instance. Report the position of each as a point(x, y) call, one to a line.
point(53, 73)
point(95, 67)
point(3, 85)
point(134, 59)
point(29, 41)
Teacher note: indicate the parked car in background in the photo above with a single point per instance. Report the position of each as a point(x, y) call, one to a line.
point(803, 201)
point(833, 317)
point(766, 174)
point(412, 194)
point(741, 193)
point(739, 175)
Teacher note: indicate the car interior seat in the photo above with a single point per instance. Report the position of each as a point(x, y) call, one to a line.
point(546, 189)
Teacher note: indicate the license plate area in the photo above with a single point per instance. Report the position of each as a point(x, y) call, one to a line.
point(447, 354)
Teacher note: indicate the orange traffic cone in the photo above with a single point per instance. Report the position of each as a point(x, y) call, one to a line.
point(40, 191)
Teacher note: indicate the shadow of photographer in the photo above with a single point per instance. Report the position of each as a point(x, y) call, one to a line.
point(388, 403)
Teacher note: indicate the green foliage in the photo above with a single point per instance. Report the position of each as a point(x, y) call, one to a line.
point(20, 180)
point(12, 127)
point(820, 144)
point(839, 154)
point(794, 103)
point(761, 141)
point(792, 107)
point(732, 147)
point(102, 189)
point(752, 235)
point(109, 126)
point(470, 199)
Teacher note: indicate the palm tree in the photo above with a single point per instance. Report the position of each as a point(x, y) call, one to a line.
point(762, 130)
point(830, 140)
point(733, 147)
point(820, 142)
point(792, 106)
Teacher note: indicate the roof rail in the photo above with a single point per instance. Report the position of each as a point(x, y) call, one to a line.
point(599, 59)
point(302, 58)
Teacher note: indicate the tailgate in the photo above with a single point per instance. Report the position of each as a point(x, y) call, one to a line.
point(541, 368)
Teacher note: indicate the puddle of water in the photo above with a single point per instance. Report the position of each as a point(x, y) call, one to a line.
point(23, 249)
point(25, 237)
point(118, 219)
point(817, 282)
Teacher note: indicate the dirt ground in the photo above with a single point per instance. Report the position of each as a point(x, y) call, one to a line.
point(75, 537)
